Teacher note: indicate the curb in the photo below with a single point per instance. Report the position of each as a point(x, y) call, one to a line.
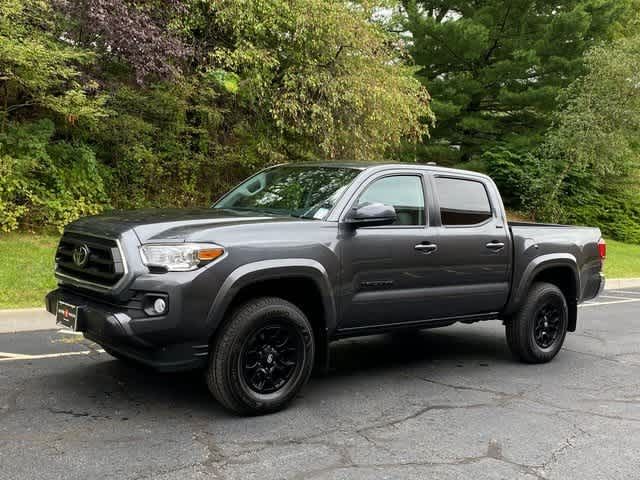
point(20, 310)
point(26, 320)
point(618, 283)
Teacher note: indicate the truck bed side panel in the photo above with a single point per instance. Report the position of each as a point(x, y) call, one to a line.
point(537, 247)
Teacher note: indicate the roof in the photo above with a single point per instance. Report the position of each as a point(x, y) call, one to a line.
point(383, 165)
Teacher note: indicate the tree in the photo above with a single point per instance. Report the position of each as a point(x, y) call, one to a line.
point(37, 69)
point(594, 146)
point(139, 33)
point(315, 77)
point(44, 179)
point(496, 68)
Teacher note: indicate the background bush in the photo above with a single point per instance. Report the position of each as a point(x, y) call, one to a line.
point(44, 181)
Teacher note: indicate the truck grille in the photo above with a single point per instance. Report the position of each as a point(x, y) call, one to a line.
point(89, 260)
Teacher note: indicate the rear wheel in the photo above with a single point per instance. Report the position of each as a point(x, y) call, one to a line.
point(262, 357)
point(537, 331)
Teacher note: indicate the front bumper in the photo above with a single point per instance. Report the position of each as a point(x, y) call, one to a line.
point(126, 329)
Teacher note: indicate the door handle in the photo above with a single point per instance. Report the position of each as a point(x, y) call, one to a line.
point(495, 246)
point(426, 247)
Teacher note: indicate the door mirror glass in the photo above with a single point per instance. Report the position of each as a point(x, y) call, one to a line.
point(371, 215)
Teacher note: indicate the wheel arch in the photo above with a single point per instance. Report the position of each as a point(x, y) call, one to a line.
point(303, 282)
point(560, 270)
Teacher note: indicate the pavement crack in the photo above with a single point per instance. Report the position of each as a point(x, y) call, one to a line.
point(502, 397)
point(568, 444)
point(530, 470)
point(214, 453)
point(523, 396)
point(75, 414)
point(418, 413)
point(593, 336)
point(600, 357)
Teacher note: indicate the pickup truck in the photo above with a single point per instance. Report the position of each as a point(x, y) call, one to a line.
point(255, 288)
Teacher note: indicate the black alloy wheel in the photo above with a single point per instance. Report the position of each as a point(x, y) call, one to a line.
point(548, 321)
point(271, 356)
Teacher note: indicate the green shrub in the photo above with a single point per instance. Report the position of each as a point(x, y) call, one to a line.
point(46, 182)
point(524, 181)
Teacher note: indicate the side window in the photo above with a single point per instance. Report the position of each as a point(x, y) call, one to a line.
point(462, 202)
point(403, 192)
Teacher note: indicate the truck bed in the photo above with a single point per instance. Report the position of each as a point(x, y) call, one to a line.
point(533, 243)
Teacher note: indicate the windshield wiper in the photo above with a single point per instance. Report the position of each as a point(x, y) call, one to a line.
point(256, 210)
point(302, 215)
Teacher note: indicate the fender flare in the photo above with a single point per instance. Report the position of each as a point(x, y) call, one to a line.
point(535, 267)
point(250, 273)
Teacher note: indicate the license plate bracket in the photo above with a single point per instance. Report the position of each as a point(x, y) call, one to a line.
point(67, 315)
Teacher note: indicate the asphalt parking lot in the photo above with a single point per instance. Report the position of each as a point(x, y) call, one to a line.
point(444, 403)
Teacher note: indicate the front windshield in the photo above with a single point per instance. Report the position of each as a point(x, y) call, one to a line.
point(299, 191)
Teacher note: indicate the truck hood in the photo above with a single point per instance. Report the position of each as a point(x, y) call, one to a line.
point(176, 225)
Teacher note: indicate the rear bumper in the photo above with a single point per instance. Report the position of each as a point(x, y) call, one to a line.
point(593, 285)
point(117, 327)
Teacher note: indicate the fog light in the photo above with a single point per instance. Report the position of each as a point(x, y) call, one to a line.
point(159, 305)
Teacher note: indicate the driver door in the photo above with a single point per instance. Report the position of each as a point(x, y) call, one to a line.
point(387, 271)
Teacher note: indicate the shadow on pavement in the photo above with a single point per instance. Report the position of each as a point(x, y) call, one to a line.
point(109, 384)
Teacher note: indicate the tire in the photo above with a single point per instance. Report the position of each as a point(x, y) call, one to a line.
point(535, 334)
point(250, 368)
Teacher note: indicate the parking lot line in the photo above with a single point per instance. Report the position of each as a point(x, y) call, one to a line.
point(618, 297)
point(9, 357)
point(595, 304)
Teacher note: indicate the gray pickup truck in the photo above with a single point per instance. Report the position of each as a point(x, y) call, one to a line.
point(256, 287)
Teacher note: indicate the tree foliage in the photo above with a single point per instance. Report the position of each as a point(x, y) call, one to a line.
point(169, 101)
point(315, 76)
point(138, 33)
point(496, 68)
point(595, 143)
point(38, 69)
point(44, 181)
point(123, 103)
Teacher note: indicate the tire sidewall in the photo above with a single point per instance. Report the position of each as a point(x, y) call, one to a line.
point(263, 403)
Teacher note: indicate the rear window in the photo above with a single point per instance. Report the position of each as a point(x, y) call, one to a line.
point(462, 202)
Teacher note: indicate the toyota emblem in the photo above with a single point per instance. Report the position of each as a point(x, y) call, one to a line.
point(81, 255)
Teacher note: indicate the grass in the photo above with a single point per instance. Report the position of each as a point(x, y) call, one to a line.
point(26, 267)
point(623, 260)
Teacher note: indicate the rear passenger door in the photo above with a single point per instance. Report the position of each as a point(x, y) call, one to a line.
point(473, 245)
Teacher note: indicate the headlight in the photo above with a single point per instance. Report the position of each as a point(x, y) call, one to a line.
point(180, 257)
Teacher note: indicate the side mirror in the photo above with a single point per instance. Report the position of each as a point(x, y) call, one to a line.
point(371, 215)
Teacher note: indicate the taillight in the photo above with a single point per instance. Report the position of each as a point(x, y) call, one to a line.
point(602, 248)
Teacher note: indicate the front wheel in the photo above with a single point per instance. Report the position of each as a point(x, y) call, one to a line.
point(537, 331)
point(262, 357)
